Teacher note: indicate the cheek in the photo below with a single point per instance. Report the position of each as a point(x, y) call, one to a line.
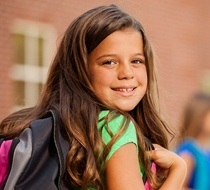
point(99, 82)
point(142, 77)
point(146, 79)
point(102, 77)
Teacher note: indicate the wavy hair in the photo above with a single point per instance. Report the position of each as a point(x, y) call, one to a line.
point(68, 90)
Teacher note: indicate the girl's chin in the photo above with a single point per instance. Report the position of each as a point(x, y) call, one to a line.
point(125, 108)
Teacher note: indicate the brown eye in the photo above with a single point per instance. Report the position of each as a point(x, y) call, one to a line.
point(108, 62)
point(137, 61)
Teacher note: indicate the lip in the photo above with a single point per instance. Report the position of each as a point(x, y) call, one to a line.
point(125, 91)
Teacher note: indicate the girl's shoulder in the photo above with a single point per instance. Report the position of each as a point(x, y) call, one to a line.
point(114, 120)
point(112, 125)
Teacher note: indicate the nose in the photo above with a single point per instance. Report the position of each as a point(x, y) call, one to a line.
point(125, 71)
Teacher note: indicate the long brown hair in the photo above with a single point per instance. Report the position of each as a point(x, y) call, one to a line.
point(68, 90)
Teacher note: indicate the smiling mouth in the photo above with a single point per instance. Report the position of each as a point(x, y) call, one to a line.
point(124, 89)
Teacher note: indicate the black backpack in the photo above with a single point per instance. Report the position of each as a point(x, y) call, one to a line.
point(36, 158)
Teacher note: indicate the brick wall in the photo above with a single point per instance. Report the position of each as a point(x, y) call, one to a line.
point(179, 31)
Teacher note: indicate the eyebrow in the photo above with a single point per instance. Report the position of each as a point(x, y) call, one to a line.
point(111, 55)
point(106, 55)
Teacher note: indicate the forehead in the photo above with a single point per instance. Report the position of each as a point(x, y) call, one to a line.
point(126, 33)
point(121, 40)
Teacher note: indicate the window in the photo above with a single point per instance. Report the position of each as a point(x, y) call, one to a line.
point(33, 45)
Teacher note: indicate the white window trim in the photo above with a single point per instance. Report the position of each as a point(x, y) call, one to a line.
point(31, 72)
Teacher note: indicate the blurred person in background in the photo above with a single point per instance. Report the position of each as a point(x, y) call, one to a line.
point(194, 144)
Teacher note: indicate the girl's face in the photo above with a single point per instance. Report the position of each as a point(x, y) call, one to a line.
point(117, 69)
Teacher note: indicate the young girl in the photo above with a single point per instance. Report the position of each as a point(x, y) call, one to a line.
point(102, 84)
point(194, 145)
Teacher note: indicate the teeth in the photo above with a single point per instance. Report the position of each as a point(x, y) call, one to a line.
point(125, 89)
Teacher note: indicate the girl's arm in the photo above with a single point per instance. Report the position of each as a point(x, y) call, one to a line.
point(172, 163)
point(123, 172)
point(122, 169)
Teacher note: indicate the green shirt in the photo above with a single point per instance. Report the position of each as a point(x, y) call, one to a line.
point(129, 136)
point(114, 125)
